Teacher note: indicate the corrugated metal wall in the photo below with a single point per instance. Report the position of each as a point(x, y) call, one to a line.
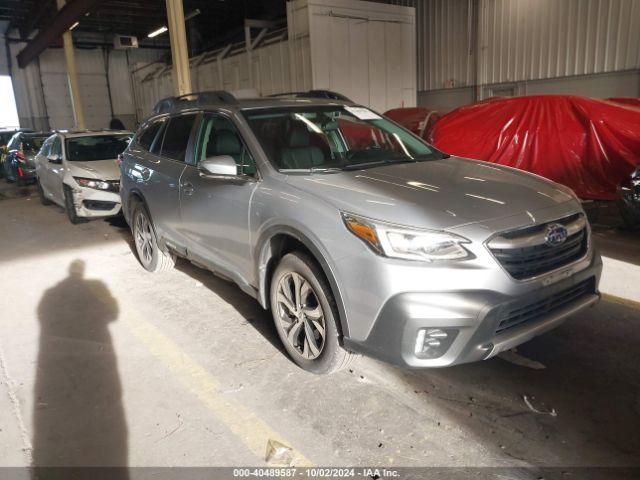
point(535, 39)
point(364, 51)
point(328, 44)
point(42, 88)
point(445, 46)
point(523, 40)
point(271, 70)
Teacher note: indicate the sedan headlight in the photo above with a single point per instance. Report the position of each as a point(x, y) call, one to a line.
point(407, 243)
point(92, 183)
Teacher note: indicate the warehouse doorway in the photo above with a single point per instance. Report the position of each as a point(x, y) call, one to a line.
point(8, 110)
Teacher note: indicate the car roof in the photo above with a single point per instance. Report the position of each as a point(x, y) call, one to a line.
point(92, 133)
point(252, 103)
point(222, 99)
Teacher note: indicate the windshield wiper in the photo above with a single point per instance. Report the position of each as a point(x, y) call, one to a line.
point(377, 163)
point(311, 170)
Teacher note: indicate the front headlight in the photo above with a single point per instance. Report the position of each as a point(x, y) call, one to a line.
point(92, 183)
point(406, 243)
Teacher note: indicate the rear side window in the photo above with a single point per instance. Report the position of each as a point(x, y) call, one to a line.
point(176, 137)
point(148, 135)
point(157, 143)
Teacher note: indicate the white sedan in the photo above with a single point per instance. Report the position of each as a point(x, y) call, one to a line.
point(79, 171)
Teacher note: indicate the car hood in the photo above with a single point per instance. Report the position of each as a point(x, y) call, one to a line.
point(98, 169)
point(435, 194)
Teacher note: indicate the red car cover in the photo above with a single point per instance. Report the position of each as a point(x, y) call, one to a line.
point(417, 119)
point(587, 144)
point(634, 102)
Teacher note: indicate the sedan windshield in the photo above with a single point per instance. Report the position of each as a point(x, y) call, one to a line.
point(333, 138)
point(98, 147)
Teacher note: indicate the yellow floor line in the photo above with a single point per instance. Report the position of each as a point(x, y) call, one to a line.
point(621, 301)
point(245, 424)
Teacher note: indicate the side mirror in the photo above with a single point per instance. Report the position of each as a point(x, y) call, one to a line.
point(54, 159)
point(219, 165)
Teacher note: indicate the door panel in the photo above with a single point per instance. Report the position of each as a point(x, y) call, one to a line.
point(215, 211)
point(55, 173)
point(159, 174)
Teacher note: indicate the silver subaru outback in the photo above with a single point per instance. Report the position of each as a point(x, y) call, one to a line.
point(358, 236)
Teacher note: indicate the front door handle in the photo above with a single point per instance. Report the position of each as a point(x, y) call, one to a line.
point(187, 188)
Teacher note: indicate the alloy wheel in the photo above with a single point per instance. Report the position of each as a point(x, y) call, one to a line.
point(144, 238)
point(301, 315)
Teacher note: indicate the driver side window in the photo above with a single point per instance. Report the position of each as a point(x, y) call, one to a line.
point(219, 136)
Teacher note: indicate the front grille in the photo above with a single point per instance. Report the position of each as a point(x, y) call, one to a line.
point(99, 205)
point(536, 310)
point(539, 258)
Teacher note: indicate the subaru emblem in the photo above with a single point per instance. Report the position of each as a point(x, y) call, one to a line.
point(556, 235)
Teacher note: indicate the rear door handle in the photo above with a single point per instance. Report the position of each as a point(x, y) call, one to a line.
point(187, 188)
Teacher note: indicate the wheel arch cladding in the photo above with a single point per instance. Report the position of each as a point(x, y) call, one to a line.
point(276, 242)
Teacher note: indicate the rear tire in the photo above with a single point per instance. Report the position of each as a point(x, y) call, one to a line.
point(305, 313)
point(43, 198)
point(70, 207)
point(151, 257)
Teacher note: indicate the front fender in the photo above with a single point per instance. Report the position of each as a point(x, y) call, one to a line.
point(264, 253)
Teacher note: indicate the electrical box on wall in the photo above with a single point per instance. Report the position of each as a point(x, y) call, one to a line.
point(122, 42)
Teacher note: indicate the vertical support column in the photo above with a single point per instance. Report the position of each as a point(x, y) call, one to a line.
point(69, 55)
point(179, 53)
point(249, 48)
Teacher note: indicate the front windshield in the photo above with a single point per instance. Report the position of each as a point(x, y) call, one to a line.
point(333, 137)
point(98, 147)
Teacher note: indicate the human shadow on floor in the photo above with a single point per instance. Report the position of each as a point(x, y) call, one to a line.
point(79, 418)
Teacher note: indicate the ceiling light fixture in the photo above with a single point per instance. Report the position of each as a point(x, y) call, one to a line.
point(157, 32)
point(163, 29)
point(74, 25)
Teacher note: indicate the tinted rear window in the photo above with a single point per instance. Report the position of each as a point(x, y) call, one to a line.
point(146, 137)
point(176, 137)
point(100, 147)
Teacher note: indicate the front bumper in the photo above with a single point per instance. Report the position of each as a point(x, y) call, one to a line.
point(476, 319)
point(92, 203)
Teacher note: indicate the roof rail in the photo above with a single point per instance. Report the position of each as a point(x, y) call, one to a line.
point(195, 99)
point(328, 94)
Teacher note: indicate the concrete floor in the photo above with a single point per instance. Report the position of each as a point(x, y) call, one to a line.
point(103, 364)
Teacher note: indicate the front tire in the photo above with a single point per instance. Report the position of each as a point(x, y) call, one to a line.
point(151, 257)
point(70, 207)
point(305, 315)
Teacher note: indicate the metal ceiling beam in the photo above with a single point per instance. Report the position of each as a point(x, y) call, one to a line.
point(65, 18)
point(36, 14)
